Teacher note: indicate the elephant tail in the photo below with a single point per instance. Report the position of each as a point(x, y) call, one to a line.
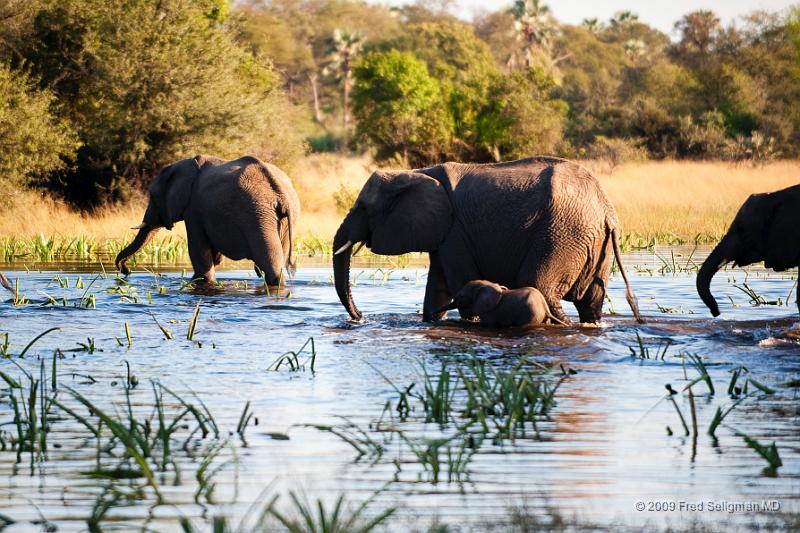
point(290, 264)
point(628, 292)
point(555, 320)
point(5, 283)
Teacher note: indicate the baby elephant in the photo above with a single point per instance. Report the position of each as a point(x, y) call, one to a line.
point(498, 306)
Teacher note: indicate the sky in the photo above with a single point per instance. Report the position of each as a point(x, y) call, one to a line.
point(660, 14)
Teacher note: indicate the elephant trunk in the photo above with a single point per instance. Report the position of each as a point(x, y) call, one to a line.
point(146, 233)
point(341, 268)
point(710, 267)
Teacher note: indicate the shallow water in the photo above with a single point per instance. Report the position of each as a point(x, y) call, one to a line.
point(603, 448)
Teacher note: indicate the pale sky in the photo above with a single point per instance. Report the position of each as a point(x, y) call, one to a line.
point(659, 14)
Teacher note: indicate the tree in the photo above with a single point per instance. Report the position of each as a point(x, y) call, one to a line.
point(536, 29)
point(464, 67)
point(520, 118)
point(699, 31)
point(146, 83)
point(593, 25)
point(399, 108)
point(344, 48)
point(623, 19)
point(33, 140)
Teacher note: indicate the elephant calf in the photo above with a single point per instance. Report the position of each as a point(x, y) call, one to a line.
point(498, 306)
point(242, 209)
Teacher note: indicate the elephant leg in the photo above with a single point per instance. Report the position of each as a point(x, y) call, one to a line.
point(590, 307)
point(436, 293)
point(200, 253)
point(797, 296)
point(217, 258)
point(267, 253)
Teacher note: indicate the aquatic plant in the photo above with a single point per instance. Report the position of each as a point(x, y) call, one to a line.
point(292, 358)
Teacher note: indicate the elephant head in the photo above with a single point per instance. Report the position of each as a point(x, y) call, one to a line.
point(476, 298)
point(395, 213)
point(766, 228)
point(169, 198)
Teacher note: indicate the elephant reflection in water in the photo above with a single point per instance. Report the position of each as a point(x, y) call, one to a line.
point(766, 228)
point(242, 209)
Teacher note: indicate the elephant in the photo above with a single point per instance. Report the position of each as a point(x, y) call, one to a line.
point(5, 283)
point(766, 228)
point(499, 306)
point(540, 222)
point(242, 209)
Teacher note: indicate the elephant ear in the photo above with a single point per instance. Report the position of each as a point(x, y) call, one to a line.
point(487, 298)
point(783, 236)
point(409, 212)
point(172, 190)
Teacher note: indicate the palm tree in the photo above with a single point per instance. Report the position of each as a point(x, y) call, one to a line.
point(593, 25)
point(635, 48)
point(535, 27)
point(344, 48)
point(623, 19)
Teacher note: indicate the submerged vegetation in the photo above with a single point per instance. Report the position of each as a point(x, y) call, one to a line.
point(148, 439)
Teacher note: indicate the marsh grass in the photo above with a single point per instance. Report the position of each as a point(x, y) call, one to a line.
point(738, 390)
point(193, 322)
point(667, 202)
point(291, 359)
point(136, 452)
point(641, 351)
point(317, 518)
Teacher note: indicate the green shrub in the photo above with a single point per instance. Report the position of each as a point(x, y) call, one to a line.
point(399, 108)
point(147, 83)
point(32, 140)
point(519, 118)
point(616, 151)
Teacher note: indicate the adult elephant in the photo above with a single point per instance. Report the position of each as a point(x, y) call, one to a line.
point(766, 228)
point(541, 222)
point(242, 209)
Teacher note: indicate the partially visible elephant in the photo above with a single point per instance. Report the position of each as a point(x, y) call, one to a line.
point(498, 306)
point(5, 283)
point(242, 209)
point(766, 228)
point(541, 222)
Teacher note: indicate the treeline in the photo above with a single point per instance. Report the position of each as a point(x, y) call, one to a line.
point(94, 96)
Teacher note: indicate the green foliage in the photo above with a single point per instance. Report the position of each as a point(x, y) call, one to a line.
point(520, 119)
point(399, 107)
point(32, 137)
point(146, 83)
point(464, 67)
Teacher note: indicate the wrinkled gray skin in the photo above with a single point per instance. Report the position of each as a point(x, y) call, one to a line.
point(766, 228)
point(242, 209)
point(541, 222)
point(500, 307)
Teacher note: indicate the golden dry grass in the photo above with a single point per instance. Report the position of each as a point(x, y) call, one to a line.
point(683, 199)
point(689, 198)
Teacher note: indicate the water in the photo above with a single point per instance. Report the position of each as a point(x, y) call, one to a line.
point(603, 449)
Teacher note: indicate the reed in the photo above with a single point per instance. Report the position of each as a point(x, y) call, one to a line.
point(666, 202)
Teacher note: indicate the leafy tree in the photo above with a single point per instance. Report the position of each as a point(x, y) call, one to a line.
point(520, 118)
point(344, 48)
point(146, 83)
point(33, 140)
point(464, 66)
point(536, 30)
point(399, 108)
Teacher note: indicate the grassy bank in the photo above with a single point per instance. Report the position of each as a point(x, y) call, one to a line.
point(667, 201)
